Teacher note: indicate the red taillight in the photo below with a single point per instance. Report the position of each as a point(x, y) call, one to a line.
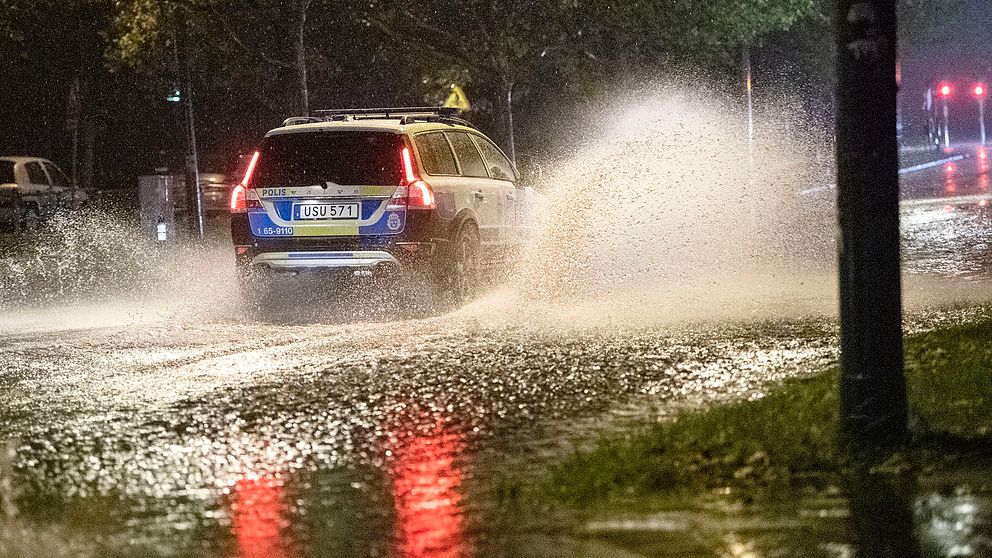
point(239, 196)
point(251, 169)
point(239, 203)
point(420, 196)
point(408, 173)
point(416, 193)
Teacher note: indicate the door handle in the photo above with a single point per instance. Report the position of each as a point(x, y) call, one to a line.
point(479, 195)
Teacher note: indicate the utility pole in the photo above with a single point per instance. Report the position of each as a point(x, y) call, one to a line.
point(872, 383)
point(193, 161)
point(509, 121)
point(945, 91)
point(746, 62)
point(73, 117)
point(194, 196)
point(981, 94)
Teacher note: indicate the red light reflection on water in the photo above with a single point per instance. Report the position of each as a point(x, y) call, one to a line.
point(257, 514)
point(426, 482)
point(983, 168)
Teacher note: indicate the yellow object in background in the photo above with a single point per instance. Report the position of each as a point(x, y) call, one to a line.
point(457, 99)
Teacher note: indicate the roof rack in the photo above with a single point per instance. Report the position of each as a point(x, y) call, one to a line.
point(407, 115)
point(390, 112)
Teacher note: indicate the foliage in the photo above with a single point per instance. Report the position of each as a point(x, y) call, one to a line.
point(773, 440)
point(788, 438)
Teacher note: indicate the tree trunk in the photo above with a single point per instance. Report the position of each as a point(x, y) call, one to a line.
point(872, 385)
point(300, 58)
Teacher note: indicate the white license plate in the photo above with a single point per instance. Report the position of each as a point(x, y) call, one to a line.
point(304, 211)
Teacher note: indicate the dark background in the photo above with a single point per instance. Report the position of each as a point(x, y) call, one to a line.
point(127, 128)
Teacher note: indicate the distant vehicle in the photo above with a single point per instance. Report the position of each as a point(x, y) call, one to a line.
point(215, 192)
point(31, 189)
point(414, 192)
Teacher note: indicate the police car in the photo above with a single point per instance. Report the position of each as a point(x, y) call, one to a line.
point(406, 192)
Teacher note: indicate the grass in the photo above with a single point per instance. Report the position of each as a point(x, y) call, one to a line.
point(787, 439)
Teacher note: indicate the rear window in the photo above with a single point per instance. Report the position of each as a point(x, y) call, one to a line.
point(7, 172)
point(435, 154)
point(345, 158)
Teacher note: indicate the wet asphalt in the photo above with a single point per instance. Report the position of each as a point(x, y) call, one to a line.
point(344, 431)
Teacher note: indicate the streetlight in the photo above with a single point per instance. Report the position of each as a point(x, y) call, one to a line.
point(981, 94)
point(944, 90)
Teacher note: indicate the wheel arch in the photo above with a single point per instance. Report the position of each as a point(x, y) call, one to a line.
point(463, 216)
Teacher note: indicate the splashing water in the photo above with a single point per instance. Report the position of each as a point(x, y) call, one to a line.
point(664, 212)
point(92, 267)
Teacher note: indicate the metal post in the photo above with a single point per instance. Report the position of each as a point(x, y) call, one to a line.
point(193, 161)
point(750, 99)
point(947, 124)
point(981, 118)
point(872, 384)
point(509, 122)
point(751, 179)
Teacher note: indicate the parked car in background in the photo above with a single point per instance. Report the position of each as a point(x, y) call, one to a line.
point(31, 189)
point(215, 189)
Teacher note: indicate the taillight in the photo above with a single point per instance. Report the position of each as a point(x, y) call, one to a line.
point(416, 193)
point(420, 196)
point(239, 203)
point(239, 196)
point(408, 173)
point(251, 169)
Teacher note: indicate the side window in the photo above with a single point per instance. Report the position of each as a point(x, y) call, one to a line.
point(468, 155)
point(36, 174)
point(499, 166)
point(7, 172)
point(58, 177)
point(435, 154)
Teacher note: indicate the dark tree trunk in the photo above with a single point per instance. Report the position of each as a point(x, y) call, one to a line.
point(873, 388)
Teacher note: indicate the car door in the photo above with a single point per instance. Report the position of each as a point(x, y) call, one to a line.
point(60, 184)
point(503, 174)
point(39, 186)
point(485, 194)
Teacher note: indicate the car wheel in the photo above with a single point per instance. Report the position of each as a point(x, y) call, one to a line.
point(30, 218)
point(464, 265)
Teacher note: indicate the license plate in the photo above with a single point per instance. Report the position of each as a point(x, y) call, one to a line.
point(304, 211)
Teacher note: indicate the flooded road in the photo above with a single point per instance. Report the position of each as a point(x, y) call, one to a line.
point(205, 434)
point(183, 433)
point(179, 426)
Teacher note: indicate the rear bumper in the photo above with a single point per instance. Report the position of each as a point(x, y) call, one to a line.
point(414, 248)
point(286, 261)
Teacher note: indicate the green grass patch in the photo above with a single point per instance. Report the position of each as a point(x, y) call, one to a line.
point(787, 439)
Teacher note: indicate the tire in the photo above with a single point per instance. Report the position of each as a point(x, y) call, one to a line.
point(29, 218)
point(464, 264)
